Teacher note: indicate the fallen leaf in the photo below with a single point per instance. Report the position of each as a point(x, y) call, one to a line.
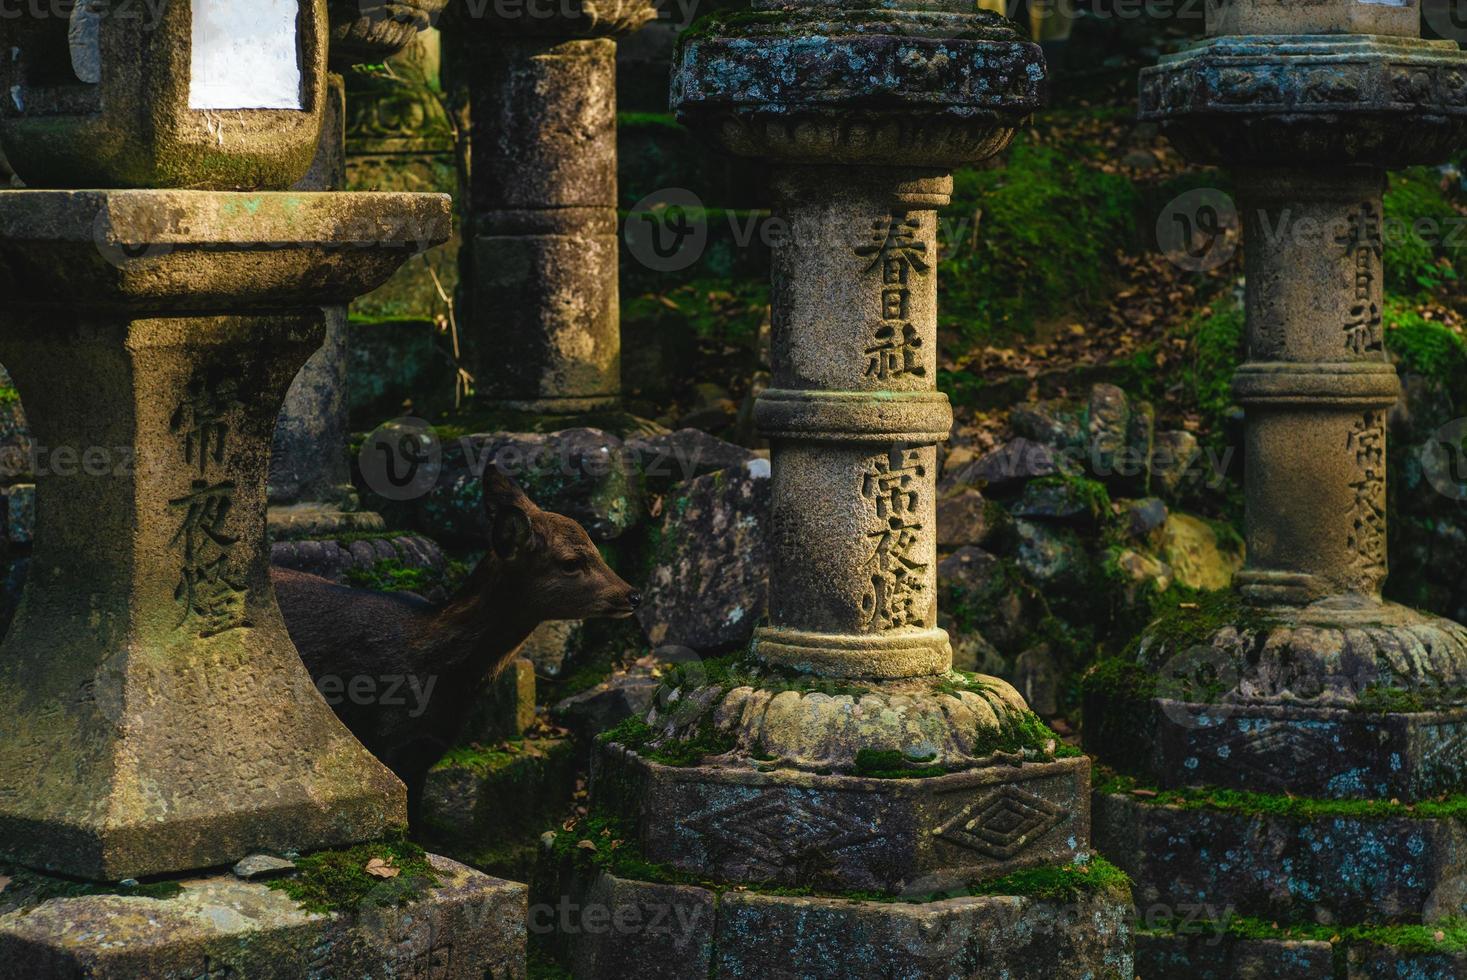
point(4, 882)
point(1143, 792)
point(1438, 935)
point(586, 845)
point(379, 868)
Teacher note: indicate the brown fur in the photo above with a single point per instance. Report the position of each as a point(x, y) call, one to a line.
point(435, 659)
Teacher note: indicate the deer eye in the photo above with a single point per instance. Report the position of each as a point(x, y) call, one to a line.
point(571, 564)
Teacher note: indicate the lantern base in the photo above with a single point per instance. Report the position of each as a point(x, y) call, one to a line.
point(672, 932)
point(1348, 697)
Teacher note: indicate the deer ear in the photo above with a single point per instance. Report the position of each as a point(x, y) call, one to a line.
point(500, 491)
point(509, 514)
point(512, 533)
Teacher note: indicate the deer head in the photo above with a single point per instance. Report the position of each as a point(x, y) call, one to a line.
point(549, 558)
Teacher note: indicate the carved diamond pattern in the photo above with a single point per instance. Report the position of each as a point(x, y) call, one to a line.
point(1002, 823)
point(1446, 746)
point(774, 832)
point(1274, 753)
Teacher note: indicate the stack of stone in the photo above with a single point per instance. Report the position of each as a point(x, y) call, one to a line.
point(540, 310)
point(1335, 721)
point(155, 719)
point(842, 764)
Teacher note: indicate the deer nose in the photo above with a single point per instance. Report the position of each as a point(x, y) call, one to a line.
point(634, 600)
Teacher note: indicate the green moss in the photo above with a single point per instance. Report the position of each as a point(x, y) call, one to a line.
point(1389, 700)
point(643, 739)
point(1051, 224)
point(1090, 493)
point(1426, 348)
point(1189, 619)
point(1063, 883)
point(1295, 808)
point(337, 881)
point(1018, 733)
point(891, 764)
point(392, 575)
point(1404, 938)
point(649, 120)
point(30, 888)
point(1120, 681)
point(1415, 262)
point(717, 310)
point(9, 396)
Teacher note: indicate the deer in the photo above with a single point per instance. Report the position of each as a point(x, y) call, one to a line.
point(540, 566)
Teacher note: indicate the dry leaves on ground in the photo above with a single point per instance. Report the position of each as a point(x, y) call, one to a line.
point(382, 868)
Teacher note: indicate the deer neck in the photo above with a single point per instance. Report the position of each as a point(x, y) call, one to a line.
point(481, 626)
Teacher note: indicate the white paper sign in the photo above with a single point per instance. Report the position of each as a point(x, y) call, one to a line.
point(246, 55)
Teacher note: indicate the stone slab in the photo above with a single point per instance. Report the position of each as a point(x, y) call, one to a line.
point(623, 928)
point(992, 936)
point(471, 926)
point(1353, 870)
point(1203, 957)
point(849, 832)
point(207, 251)
point(1291, 100)
point(1328, 752)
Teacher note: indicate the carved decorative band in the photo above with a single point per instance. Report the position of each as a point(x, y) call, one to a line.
point(1358, 384)
point(899, 653)
point(921, 75)
point(547, 221)
point(854, 416)
point(1253, 75)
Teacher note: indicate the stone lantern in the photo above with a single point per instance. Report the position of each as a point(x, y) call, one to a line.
point(155, 718)
point(541, 317)
point(843, 753)
point(1305, 682)
point(202, 94)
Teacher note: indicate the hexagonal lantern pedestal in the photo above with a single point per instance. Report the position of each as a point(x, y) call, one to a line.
point(1307, 684)
point(842, 757)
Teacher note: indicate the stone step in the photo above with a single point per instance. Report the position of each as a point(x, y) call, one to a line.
point(599, 925)
point(469, 926)
point(1163, 955)
point(1335, 867)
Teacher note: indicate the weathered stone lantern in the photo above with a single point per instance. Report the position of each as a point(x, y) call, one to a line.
point(843, 753)
point(201, 94)
point(1308, 121)
point(154, 716)
point(541, 317)
point(1305, 682)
